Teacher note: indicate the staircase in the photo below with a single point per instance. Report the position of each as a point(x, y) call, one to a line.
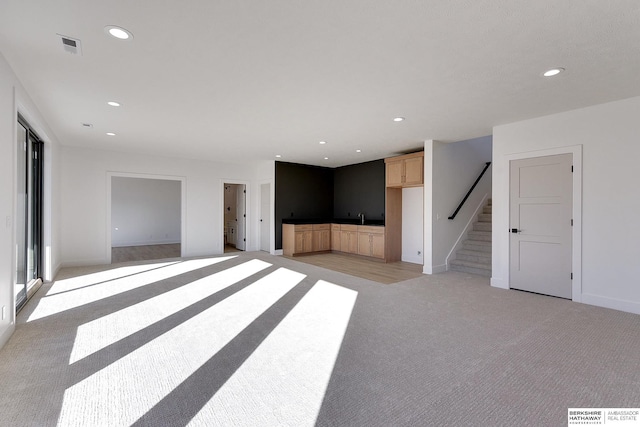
point(475, 255)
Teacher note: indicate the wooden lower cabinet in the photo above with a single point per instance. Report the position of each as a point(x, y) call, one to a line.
point(377, 245)
point(304, 242)
point(354, 239)
point(297, 239)
point(335, 237)
point(349, 238)
point(321, 237)
point(371, 241)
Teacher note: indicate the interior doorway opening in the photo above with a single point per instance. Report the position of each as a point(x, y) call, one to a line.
point(146, 218)
point(235, 217)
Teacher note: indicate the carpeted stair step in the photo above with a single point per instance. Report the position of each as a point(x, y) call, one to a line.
point(480, 235)
point(477, 245)
point(474, 256)
point(482, 226)
point(470, 267)
point(483, 217)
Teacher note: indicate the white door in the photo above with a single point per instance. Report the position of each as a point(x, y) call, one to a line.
point(241, 213)
point(541, 225)
point(265, 217)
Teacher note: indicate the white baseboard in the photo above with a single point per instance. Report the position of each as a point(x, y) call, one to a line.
point(6, 334)
point(145, 243)
point(277, 252)
point(613, 303)
point(498, 283)
point(56, 269)
point(413, 260)
point(435, 269)
point(83, 262)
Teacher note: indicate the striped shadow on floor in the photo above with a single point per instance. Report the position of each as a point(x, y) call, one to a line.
point(254, 339)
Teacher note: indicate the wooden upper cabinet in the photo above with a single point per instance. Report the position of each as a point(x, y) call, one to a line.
point(395, 172)
point(413, 171)
point(405, 171)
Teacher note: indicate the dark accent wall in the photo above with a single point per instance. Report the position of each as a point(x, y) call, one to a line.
point(301, 192)
point(359, 188)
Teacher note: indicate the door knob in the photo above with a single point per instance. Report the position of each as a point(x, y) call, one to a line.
point(515, 230)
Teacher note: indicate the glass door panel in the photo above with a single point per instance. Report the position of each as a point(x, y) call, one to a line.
point(21, 223)
point(29, 213)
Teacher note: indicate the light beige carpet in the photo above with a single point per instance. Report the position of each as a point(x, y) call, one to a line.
point(144, 252)
point(251, 339)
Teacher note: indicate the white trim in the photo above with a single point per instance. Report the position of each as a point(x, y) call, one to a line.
point(183, 208)
point(576, 240)
point(427, 269)
point(463, 236)
point(6, 334)
point(278, 252)
point(83, 262)
point(613, 303)
point(48, 269)
point(272, 220)
point(247, 208)
point(148, 243)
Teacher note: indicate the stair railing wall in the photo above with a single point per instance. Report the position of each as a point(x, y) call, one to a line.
point(470, 191)
point(463, 235)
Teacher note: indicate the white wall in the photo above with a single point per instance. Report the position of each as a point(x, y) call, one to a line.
point(145, 211)
point(13, 98)
point(609, 135)
point(450, 170)
point(84, 200)
point(412, 225)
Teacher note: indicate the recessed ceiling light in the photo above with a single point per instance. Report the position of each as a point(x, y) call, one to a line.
point(322, 142)
point(358, 151)
point(553, 72)
point(278, 156)
point(398, 119)
point(118, 32)
point(114, 103)
point(111, 134)
point(326, 158)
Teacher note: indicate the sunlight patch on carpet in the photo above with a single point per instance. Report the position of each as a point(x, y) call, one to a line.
point(99, 333)
point(77, 282)
point(284, 381)
point(128, 388)
point(103, 287)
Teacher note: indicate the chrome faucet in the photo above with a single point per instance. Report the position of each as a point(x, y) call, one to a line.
point(361, 216)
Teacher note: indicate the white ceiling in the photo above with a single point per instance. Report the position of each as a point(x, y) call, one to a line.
point(247, 79)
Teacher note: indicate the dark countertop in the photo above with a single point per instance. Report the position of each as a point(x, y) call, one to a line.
point(379, 222)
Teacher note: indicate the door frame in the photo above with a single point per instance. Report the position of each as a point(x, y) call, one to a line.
point(248, 229)
point(272, 222)
point(183, 205)
point(576, 237)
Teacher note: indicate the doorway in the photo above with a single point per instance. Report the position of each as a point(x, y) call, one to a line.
point(541, 225)
point(146, 218)
point(265, 217)
point(30, 166)
point(235, 217)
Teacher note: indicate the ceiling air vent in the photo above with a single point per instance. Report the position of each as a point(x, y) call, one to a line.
point(71, 45)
